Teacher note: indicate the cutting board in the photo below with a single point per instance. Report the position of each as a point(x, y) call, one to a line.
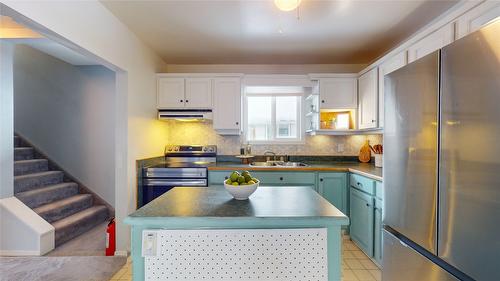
point(365, 154)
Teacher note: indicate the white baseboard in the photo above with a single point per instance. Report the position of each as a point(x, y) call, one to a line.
point(121, 253)
point(15, 253)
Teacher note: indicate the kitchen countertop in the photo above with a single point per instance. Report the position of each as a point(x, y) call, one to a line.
point(364, 169)
point(203, 205)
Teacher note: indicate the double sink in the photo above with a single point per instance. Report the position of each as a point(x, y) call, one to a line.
point(278, 164)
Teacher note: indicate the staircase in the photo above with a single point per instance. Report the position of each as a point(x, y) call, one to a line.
point(52, 196)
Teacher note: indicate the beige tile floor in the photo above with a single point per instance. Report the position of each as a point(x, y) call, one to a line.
point(356, 266)
point(125, 273)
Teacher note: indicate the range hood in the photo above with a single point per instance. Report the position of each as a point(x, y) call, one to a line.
point(186, 115)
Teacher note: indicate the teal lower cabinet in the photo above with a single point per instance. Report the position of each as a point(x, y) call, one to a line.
point(333, 187)
point(366, 212)
point(377, 247)
point(361, 217)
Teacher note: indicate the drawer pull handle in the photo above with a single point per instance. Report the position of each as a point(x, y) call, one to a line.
point(281, 178)
point(320, 179)
point(368, 205)
point(182, 101)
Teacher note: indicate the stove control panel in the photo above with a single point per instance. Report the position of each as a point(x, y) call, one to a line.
point(195, 149)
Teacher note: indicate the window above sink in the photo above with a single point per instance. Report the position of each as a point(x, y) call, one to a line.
point(274, 115)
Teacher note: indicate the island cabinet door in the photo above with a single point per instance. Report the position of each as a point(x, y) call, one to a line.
point(361, 229)
point(333, 187)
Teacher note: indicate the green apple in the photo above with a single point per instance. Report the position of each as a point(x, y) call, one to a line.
point(234, 176)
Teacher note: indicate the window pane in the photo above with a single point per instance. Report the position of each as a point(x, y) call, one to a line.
point(259, 118)
point(286, 117)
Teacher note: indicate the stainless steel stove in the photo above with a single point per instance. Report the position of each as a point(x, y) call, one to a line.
point(184, 165)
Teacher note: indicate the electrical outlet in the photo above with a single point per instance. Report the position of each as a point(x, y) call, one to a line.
point(340, 147)
point(149, 244)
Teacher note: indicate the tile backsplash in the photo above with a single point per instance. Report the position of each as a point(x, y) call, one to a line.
point(202, 133)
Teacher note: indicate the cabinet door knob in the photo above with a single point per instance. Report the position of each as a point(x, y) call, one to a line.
point(373, 121)
point(322, 101)
point(182, 100)
point(320, 179)
point(187, 101)
point(281, 178)
point(237, 123)
point(367, 205)
point(226, 177)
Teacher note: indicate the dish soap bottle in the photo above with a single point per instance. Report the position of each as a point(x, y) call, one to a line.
point(249, 149)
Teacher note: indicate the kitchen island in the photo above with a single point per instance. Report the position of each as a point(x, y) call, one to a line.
point(280, 233)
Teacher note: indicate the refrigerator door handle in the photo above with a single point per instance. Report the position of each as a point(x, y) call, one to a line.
point(404, 244)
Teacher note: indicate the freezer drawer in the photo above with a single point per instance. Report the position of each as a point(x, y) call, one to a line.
point(402, 263)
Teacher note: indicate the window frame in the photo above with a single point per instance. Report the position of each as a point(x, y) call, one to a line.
point(300, 122)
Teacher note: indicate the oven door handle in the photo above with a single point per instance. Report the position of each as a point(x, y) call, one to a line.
point(156, 182)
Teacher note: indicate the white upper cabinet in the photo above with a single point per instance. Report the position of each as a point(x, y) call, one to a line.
point(368, 104)
point(388, 66)
point(178, 92)
point(477, 18)
point(198, 93)
point(338, 93)
point(227, 106)
point(432, 42)
point(170, 93)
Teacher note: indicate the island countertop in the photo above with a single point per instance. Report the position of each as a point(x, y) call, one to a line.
point(206, 206)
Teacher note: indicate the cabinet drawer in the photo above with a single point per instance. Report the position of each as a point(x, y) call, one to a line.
point(269, 178)
point(364, 184)
point(379, 190)
point(285, 178)
point(218, 177)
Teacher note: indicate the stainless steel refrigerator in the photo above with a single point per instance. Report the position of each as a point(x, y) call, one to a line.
point(442, 164)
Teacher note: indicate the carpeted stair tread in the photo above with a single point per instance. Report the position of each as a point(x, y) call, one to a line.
point(23, 153)
point(76, 224)
point(48, 194)
point(63, 208)
point(36, 180)
point(23, 167)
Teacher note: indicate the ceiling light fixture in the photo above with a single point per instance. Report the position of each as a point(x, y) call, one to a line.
point(287, 5)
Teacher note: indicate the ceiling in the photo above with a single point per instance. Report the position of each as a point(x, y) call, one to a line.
point(256, 32)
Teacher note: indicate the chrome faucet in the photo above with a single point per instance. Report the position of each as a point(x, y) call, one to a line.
point(269, 152)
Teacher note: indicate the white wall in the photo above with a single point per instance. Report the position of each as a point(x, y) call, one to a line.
point(24, 232)
point(88, 27)
point(68, 112)
point(6, 121)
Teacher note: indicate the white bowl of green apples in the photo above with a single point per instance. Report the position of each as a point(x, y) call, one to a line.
point(241, 186)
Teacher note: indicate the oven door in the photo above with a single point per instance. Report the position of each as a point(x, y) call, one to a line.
point(155, 187)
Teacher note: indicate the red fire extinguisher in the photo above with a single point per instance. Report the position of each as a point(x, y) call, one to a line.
point(111, 238)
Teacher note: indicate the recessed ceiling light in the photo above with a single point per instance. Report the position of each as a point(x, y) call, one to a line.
point(287, 5)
